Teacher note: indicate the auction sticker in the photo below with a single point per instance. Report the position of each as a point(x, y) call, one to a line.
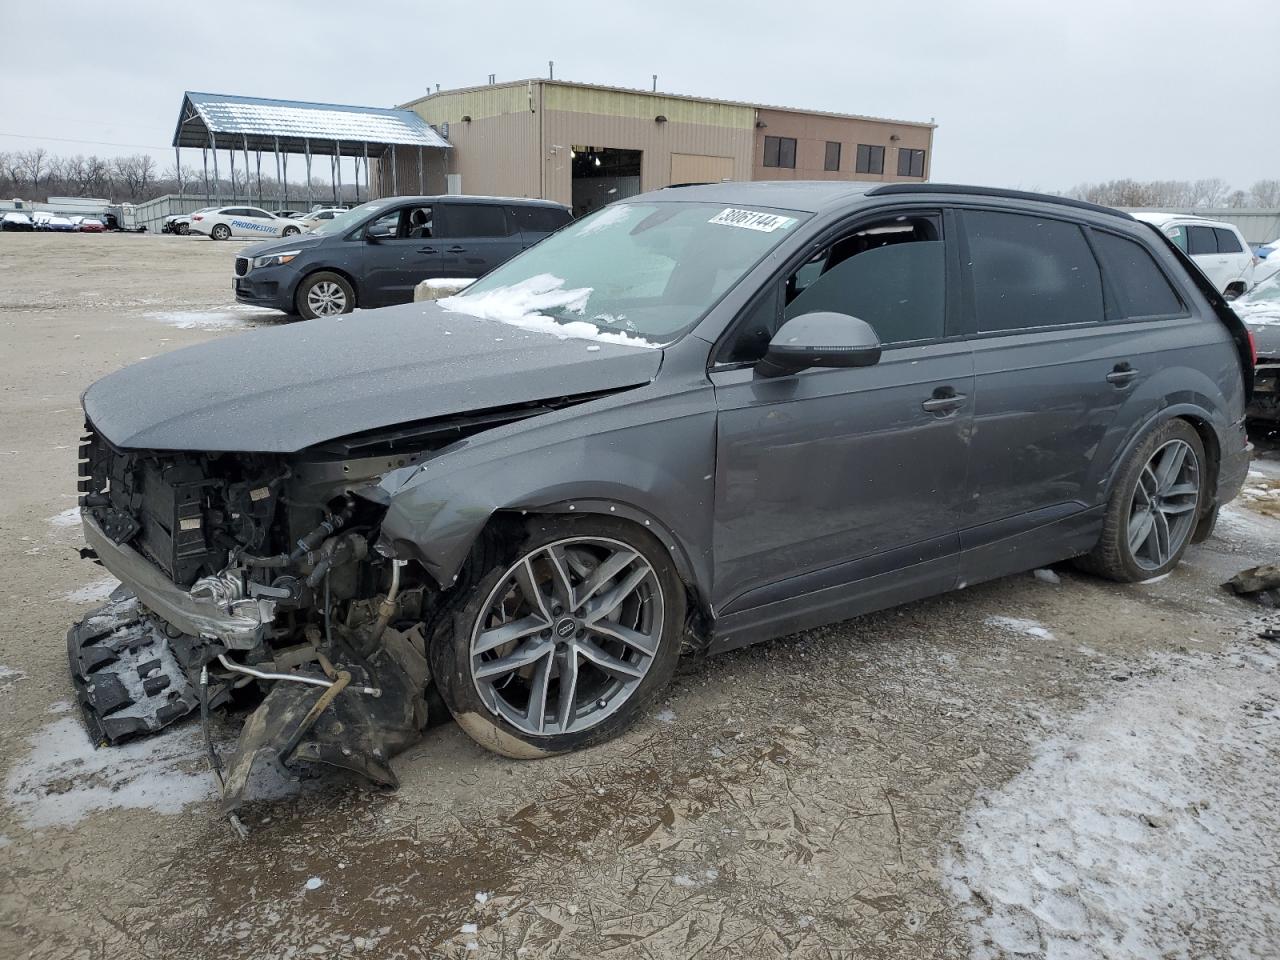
point(752, 220)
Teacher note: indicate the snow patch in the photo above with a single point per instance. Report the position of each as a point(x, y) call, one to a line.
point(1145, 827)
point(315, 883)
point(94, 592)
point(63, 778)
point(222, 318)
point(520, 305)
point(1047, 576)
point(666, 715)
point(608, 217)
point(67, 518)
point(8, 675)
point(1030, 628)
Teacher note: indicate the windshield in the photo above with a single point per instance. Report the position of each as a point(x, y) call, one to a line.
point(348, 219)
point(634, 272)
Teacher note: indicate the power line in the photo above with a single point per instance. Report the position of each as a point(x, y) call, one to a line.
point(96, 143)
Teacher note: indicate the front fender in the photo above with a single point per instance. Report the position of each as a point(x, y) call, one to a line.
point(646, 454)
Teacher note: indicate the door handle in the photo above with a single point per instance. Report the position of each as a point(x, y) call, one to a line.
point(426, 249)
point(944, 401)
point(1122, 375)
point(456, 250)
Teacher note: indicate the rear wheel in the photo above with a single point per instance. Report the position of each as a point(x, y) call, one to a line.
point(1155, 506)
point(563, 645)
point(325, 295)
point(220, 232)
point(290, 232)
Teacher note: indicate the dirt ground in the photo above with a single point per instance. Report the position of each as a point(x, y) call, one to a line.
point(1048, 765)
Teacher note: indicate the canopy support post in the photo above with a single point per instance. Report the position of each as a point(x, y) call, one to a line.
point(177, 168)
point(217, 180)
point(395, 186)
point(257, 159)
point(337, 159)
point(307, 144)
point(204, 159)
point(279, 182)
point(422, 184)
point(248, 188)
point(368, 193)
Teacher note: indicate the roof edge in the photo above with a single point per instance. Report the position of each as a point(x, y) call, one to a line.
point(409, 105)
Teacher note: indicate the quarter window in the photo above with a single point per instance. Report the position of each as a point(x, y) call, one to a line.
point(870, 159)
point(1030, 272)
point(910, 163)
point(832, 159)
point(539, 219)
point(780, 152)
point(1228, 242)
point(1141, 288)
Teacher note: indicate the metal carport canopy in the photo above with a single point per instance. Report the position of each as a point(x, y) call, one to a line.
point(227, 122)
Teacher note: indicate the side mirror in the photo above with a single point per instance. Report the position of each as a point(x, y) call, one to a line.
point(370, 238)
point(820, 340)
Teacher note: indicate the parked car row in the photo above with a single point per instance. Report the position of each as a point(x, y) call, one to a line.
point(26, 223)
point(246, 221)
point(375, 254)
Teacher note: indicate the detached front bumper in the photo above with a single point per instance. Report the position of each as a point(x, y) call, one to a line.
point(242, 627)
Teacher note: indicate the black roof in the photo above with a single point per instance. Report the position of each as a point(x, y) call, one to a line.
point(812, 196)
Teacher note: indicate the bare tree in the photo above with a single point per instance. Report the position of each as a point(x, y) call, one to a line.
point(32, 165)
point(1265, 193)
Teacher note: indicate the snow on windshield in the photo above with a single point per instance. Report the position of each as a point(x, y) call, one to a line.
point(617, 213)
point(522, 305)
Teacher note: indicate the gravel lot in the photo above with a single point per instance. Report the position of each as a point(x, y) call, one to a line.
point(1048, 765)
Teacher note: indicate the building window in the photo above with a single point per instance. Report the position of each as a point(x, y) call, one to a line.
point(910, 162)
point(780, 152)
point(870, 159)
point(832, 161)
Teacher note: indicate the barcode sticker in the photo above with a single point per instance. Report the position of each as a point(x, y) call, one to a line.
point(752, 220)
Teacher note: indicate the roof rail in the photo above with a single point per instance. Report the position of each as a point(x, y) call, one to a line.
point(889, 189)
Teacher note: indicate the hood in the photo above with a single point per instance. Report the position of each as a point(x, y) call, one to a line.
point(302, 241)
point(281, 389)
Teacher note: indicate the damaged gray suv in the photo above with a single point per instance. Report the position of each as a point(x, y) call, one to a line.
point(699, 418)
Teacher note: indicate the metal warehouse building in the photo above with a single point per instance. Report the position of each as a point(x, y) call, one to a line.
point(586, 145)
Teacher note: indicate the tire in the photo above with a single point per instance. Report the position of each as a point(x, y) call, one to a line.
point(183, 229)
point(1173, 503)
point(220, 231)
point(615, 679)
point(1233, 292)
point(290, 232)
point(324, 294)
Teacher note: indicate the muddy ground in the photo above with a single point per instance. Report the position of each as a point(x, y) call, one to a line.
point(888, 787)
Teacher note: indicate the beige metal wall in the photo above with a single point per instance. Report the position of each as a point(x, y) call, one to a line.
point(811, 132)
point(692, 168)
point(591, 117)
point(496, 151)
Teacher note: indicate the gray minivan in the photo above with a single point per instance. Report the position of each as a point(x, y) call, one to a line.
point(375, 254)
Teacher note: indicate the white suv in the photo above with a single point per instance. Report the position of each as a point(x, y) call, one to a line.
point(1217, 248)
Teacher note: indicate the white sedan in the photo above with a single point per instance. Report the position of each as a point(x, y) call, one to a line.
point(315, 218)
point(223, 223)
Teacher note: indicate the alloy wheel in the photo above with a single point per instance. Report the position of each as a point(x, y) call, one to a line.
point(326, 299)
point(1163, 511)
point(567, 635)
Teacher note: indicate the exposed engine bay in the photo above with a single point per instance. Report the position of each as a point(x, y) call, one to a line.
point(255, 578)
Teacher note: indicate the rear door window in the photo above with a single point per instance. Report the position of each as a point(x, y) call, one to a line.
point(1141, 287)
point(1228, 242)
point(1179, 236)
point(1201, 240)
point(1030, 271)
point(472, 220)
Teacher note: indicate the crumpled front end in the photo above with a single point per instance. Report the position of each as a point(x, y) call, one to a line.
point(249, 580)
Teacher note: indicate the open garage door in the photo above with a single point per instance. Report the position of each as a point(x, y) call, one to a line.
point(602, 175)
point(695, 168)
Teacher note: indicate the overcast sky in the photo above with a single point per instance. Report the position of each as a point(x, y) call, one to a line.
point(1025, 94)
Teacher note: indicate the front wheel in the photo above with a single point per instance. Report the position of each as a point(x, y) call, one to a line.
point(563, 645)
point(1155, 506)
point(324, 295)
point(221, 232)
point(183, 229)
